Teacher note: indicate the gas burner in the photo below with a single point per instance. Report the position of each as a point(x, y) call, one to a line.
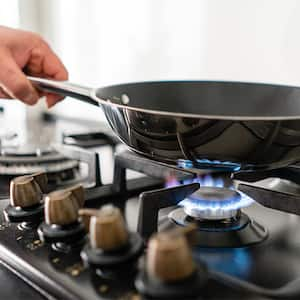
point(236, 232)
point(24, 160)
point(95, 254)
point(28, 160)
point(215, 211)
point(215, 203)
point(26, 150)
point(180, 217)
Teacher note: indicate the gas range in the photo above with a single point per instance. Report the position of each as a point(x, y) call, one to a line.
point(172, 233)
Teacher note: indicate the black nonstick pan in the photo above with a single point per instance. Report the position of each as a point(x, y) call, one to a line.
point(235, 125)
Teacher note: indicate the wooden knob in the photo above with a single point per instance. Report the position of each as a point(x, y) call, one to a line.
point(169, 257)
point(78, 192)
point(61, 207)
point(85, 214)
point(25, 191)
point(41, 179)
point(108, 230)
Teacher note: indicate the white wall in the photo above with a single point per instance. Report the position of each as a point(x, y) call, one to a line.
point(256, 40)
point(104, 42)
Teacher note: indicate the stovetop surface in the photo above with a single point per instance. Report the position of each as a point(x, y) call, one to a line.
point(270, 264)
point(14, 288)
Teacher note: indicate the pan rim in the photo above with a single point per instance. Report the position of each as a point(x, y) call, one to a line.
point(109, 102)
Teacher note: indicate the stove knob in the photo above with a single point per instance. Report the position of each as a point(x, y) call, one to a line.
point(26, 195)
point(170, 272)
point(61, 210)
point(41, 179)
point(26, 191)
point(169, 258)
point(112, 248)
point(108, 230)
point(77, 192)
point(85, 215)
point(61, 207)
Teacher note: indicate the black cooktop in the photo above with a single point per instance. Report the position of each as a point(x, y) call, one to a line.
point(14, 288)
point(269, 264)
point(240, 250)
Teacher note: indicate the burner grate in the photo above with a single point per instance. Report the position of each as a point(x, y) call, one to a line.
point(235, 231)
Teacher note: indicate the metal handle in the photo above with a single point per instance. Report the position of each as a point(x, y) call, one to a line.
point(64, 88)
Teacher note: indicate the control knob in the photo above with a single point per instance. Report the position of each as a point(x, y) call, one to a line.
point(61, 216)
point(108, 231)
point(169, 258)
point(111, 245)
point(170, 271)
point(26, 199)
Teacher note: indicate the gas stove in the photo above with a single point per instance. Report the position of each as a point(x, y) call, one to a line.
point(170, 233)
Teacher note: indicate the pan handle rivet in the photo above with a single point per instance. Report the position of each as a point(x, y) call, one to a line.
point(125, 99)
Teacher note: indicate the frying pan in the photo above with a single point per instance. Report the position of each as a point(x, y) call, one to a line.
point(234, 125)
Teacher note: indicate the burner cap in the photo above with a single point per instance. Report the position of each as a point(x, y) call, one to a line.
point(28, 159)
point(213, 203)
point(237, 232)
point(26, 150)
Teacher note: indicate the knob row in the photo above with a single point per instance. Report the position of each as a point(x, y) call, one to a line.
point(28, 203)
point(168, 259)
point(111, 245)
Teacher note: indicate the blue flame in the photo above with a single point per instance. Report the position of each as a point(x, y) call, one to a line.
point(239, 201)
point(209, 164)
point(233, 203)
point(206, 180)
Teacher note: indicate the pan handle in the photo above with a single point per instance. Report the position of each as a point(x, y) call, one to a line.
point(64, 88)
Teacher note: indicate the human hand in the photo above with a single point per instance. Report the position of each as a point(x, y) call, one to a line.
point(26, 52)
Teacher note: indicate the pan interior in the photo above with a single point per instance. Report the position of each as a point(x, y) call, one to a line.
point(208, 98)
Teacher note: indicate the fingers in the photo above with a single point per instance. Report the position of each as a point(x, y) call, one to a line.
point(3, 95)
point(12, 80)
point(44, 63)
point(35, 57)
point(54, 67)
